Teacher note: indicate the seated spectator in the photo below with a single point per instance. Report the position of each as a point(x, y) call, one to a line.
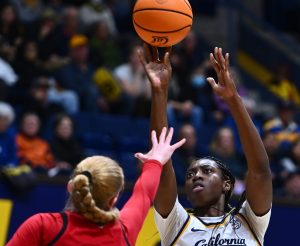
point(292, 185)
point(8, 150)
point(37, 100)
point(96, 10)
point(28, 66)
point(78, 75)
point(46, 35)
point(187, 153)
point(284, 126)
point(122, 11)
point(66, 149)
point(134, 83)
point(223, 148)
point(67, 28)
point(283, 87)
point(275, 155)
point(11, 32)
point(29, 11)
point(105, 50)
point(32, 149)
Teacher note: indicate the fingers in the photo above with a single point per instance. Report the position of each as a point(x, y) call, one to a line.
point(169, 136)
point(140, 156)
point(154, 138)
point(214, 63)
point(227, 64)
point(217, 59)
point(212, 83)
point(167, 59)
point(179, 144)
point(220, 58)
point(169, 49)
point(148, 52)
point(142, 58)
point(155, 56)
point(162, 136)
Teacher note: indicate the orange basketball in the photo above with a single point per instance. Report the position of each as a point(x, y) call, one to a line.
point(162, 23)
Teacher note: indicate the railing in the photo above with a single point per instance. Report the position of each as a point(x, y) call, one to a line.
point(289, 43)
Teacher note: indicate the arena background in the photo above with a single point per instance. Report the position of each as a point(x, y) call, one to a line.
point(259, 34)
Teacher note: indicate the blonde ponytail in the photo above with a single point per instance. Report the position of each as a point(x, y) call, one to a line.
point(91, 193)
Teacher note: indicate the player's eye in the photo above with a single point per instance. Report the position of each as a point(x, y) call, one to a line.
point(189, 174)
point(207, 170)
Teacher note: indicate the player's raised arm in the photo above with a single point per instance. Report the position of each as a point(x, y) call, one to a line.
point(259, 180)
point(159, 73)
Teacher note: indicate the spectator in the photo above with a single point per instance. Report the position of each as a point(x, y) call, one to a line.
point(223, 148)
point(284, 126)
point(187, 153)
point(104, 48)
point(282, 87)
point(95, 11)
point(11, 32)
point(134, 83)
point(67, 29)
point(8, 150)
point(78, 74)
point(66, 149)
point(32, 149)
point(275, 154)
point(28, 66)
point(29, 11)
point(292, 185)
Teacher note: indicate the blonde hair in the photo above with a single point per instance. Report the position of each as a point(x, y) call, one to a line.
point(90, 195)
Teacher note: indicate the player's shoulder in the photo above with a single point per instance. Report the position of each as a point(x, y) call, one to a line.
point(47, 218)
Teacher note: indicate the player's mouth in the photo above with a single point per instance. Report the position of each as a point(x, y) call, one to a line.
point(197, 187)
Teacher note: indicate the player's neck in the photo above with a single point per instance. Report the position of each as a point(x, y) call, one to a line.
point(215, 210)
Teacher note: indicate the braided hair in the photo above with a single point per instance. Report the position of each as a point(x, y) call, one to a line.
point(96, 180)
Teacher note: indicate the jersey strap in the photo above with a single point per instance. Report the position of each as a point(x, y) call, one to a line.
point(62, 230)
point(124, 235)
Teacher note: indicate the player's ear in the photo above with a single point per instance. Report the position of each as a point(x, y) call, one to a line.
point(113, 201)
point(226, 186)
point(70, 186)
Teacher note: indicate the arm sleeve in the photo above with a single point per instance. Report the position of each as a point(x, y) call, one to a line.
point(169, 227)
point(29, 233)
point(135, 210)
point(259, 224)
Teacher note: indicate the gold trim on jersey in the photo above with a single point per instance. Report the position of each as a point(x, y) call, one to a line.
point(246, 223)
point(182, 230)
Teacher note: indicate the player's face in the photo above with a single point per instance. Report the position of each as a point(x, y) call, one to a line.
point(204, 183)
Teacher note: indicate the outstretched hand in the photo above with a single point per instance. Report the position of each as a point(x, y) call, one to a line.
point(158, 71)
point(225, 87)
point(162, 149)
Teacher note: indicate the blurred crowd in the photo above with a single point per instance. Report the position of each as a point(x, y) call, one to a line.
point(63, 58)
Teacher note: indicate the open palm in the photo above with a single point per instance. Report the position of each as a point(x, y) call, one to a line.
point(159, 72)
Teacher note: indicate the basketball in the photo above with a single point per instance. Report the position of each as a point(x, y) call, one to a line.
point(162, 23)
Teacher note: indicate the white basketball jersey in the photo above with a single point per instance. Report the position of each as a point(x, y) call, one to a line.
point(233, 230)
point(241, 229)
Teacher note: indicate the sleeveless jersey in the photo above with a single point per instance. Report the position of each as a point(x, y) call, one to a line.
point(183, 229)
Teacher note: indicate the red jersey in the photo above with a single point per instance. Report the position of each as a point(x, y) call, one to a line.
point(42, 228)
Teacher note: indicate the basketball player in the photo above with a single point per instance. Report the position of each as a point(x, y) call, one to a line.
point(91, 218)
point(209, 183)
